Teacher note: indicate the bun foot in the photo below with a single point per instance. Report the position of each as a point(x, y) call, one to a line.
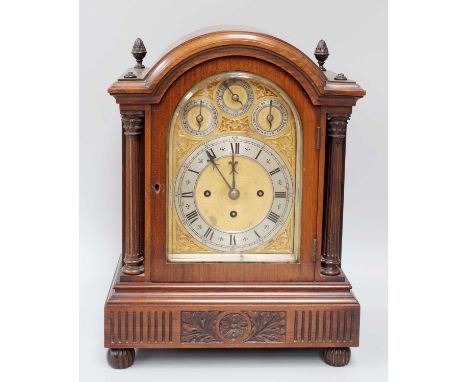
point(336, 356)
point(120, 358)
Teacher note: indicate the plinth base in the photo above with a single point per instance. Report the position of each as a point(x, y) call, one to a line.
point(244, 315)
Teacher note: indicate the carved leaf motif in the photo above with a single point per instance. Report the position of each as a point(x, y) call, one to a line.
point(234, 326)
point(199, 327)
point(267, 327)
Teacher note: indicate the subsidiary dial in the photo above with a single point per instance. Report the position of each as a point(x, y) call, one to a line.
point(234, 97)
point(270, 117)
point(199, 117)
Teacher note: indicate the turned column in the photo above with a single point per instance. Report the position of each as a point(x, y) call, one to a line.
point(334, 187)
point(133, 127)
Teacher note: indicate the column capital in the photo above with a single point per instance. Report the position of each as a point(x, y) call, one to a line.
point(337, 124)
point(133, 122)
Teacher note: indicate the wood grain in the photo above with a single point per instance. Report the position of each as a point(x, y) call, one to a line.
point(162, 271)
point(205, 47)
point(133, 126)
point(156, 304)
point(334, 191)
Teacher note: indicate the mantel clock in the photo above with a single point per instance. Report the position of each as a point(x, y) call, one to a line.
point(233, 149)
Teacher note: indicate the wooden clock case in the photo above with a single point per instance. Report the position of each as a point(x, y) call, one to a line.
point(156, 304)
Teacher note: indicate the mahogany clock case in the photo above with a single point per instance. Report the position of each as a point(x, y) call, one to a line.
point(154, 303)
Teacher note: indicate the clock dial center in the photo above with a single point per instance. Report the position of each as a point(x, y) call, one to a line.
point(241, 202)
point(234, 194)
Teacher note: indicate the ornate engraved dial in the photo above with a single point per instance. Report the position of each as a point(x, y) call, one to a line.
point(270, 117)
point(233, 193)
point(234, 173)
point(234, 96)
point(199, 117)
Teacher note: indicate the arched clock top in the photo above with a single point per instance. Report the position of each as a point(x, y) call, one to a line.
point(233, 168)
point(323, 87)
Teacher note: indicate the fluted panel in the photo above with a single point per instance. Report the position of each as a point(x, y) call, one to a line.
point(324, 326)
point(140, 327)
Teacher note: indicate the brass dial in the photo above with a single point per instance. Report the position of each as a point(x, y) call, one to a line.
point(234, 173)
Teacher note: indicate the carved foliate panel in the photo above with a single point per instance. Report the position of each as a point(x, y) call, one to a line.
point(222, 327)
point(146, 327)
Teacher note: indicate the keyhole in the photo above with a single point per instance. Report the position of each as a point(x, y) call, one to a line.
point(157, 187)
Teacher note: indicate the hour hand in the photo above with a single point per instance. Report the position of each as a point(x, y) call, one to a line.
point(233, 164)
point(211, 158)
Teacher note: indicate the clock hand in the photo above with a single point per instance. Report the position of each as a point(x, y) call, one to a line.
point(215, 165)
point(233, 170)
point(270, 116)
point(234, 96)
point(199, 116)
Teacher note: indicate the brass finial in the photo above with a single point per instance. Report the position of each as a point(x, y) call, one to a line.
point(139, 52)
point(321, 53)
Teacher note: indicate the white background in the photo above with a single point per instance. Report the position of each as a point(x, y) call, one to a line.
point(39, 194)
point(356, 34)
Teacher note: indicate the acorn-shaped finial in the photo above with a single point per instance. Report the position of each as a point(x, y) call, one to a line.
point(139, 52)
point(321, 53)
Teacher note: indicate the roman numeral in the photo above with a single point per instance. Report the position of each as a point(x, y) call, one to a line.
point(232, 240)
point(259, 152)
point(196, 172)
point(192, 216)
point(273, 217)
point(211, 154)
point(256, 233)
point(235, 147)
point(280, 194)
point(187, 194)
point(209, 233)
point(275, 171)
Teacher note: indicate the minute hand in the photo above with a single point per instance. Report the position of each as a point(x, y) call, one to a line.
point(211, 159)
point(233, 170)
